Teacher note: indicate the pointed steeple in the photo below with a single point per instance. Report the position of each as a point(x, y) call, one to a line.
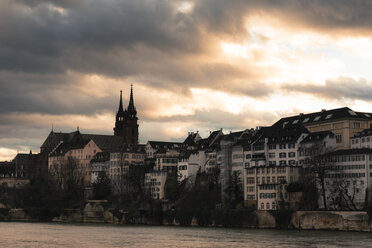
point(131, 109)
point(121, 110)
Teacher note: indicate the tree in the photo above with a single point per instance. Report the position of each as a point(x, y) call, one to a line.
point(102, 186)
point(344, 195)
point(234, 192)
point(68, 178)
point(318, 163)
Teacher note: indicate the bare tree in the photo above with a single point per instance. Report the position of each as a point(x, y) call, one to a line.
point(67, 174)
point(344, 195)
point(318, 163)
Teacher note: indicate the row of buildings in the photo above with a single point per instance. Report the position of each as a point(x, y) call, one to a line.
point(332, 146)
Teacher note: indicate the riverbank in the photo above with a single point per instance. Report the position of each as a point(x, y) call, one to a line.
point(298, 220)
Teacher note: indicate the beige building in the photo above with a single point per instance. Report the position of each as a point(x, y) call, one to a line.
point(343, 122)
point(155, 184)
point(79, 152)
point(266, 186)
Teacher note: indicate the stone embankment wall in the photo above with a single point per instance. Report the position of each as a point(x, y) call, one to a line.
point(331, 220)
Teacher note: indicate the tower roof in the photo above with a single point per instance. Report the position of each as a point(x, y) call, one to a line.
point(131, 109)
point(121, 110)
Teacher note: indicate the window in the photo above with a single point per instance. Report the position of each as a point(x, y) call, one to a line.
point(317, 118)
point(338, 138)
point(352, 112)
point(356, 124)
point(282, 155)
point(363, 140)
point(271, 155)
point(268, 179)
point(292, 162)
point(248, 156)
point(273, 179)
point(262, 205)
point(273, 170)
point(282, 146)
point(250, 189)
point(328, 116)
point(306, 120)
point(272, 146)
point(263, 180)
point(250, 180)
point(295, 122)
point(273, 205)
point(291, 145)
point(267, 205)
point(292, 154)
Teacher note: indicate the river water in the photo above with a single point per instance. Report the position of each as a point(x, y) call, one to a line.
point(91, 236)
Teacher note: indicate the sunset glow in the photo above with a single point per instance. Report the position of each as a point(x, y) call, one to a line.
point(194, 65)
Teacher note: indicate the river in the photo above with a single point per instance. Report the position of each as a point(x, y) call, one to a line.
point(83, 236)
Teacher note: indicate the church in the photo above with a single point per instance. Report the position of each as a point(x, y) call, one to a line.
point(126, 124)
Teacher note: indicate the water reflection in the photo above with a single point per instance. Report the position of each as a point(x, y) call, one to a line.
point(84, 236)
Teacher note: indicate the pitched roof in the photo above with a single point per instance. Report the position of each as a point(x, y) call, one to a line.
point(365, 132)
point(21, 158)
point(105, 142)
point(54, 138)
point(324, 115)
point(64, 147)
point(101, 157)
point(316, 136)
point(133, 148)
point(352, 151)
point(164, 144)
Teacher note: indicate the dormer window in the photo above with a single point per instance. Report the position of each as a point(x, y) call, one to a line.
point(305, 120)
point(328, 116)
point(352, 112)
point(317, 118)
point(295, 122)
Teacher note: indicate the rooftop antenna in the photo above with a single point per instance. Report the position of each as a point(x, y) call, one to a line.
point(78, 128)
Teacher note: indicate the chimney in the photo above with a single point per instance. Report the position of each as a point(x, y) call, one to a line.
point(323, 110)
point(301, 114)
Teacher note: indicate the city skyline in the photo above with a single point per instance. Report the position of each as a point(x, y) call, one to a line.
point(194, 65)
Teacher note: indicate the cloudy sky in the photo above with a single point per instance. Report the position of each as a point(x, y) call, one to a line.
point(195, 65)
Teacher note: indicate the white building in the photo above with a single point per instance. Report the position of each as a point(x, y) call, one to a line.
point(100, 164)
point(190, 163)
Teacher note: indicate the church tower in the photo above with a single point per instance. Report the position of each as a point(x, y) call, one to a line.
point(126, 124)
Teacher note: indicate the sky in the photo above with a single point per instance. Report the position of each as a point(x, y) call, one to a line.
point(195, 65)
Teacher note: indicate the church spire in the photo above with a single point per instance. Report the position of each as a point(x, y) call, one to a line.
point(131, 109)
point(121, 103)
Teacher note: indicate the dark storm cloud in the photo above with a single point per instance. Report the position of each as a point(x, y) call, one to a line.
point(337, 89)
point(50, 94)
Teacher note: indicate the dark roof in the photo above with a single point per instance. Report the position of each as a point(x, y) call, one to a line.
point(101, 157)
point(365, 132)
point(190, 140)
point(64, 147)
point(316, 136)
point(277, 134)
point(352, 151)
point(233, 136)
point(105, 142)
point(21, 158)
point(165, 144)
point(133, 148)
point(54, 139)
point(324, 115)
